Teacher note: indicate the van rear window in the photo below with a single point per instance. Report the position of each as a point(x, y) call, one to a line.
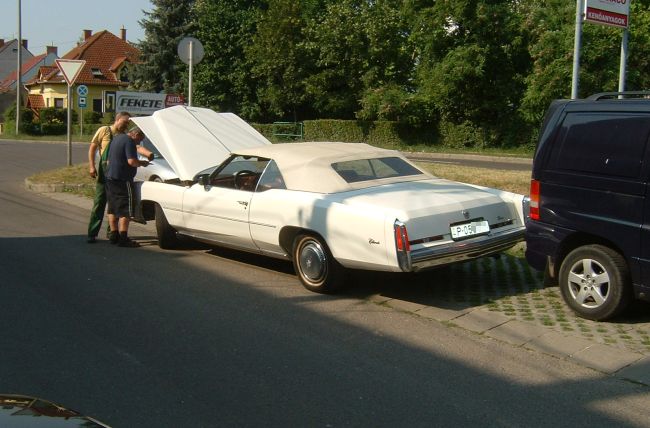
point(605, 144)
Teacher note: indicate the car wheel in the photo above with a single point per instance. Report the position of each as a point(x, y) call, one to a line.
point(167, 238)
point(315, 266)
point(594, 281)
point(156, 179)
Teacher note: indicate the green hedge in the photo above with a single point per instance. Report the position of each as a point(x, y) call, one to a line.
point(380, 133)
point(89, 130)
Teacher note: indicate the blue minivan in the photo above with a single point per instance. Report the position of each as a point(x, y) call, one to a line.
point(588, 225)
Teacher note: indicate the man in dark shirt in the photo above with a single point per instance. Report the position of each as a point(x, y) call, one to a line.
point(122, 165)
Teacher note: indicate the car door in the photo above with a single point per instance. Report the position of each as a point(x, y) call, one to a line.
point(219, 210)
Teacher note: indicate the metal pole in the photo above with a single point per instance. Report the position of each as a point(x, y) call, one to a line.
point(577, 47)
point(189, 102)
point(622, 71)
point(18, 69)
point(69, 125)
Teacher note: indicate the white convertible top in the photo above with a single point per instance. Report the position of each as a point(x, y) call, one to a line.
point(192, 139)
point(308, 166)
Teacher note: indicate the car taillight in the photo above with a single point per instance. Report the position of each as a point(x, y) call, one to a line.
point(402, 238)
point(534, 200)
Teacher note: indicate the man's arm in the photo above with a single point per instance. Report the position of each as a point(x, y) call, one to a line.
point(145, 152)
point(95, 144)
point(131, 151)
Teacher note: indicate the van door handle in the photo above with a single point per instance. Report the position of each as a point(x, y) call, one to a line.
point(244, 203)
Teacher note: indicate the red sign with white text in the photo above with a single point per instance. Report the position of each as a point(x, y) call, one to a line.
point(614, 13)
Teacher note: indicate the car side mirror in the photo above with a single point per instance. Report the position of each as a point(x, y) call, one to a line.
point(203, 179)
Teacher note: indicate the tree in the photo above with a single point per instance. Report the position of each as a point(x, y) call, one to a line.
point(165, 26)
point(278, 60)
point(358, 49)
point(551, 24)
point(471, 63)
point(223, 81)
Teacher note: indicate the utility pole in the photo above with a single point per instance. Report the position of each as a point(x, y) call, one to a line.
point(18, 69)
point(577, 47)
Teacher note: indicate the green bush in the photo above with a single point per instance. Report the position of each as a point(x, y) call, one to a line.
point(88, 130)
point(108, 118)
point(387, 134)
point(53, 115)
point(54, 128)
point(91, 117)
point(461, 136)
point(27, 125)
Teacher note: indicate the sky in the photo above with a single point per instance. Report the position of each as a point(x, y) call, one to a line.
point(61, 23)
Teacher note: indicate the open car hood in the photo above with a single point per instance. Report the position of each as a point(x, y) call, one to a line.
point(192, 139)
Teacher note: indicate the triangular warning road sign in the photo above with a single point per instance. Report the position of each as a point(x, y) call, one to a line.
point(70, 68)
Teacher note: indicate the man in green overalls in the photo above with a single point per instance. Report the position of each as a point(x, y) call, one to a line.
point(101, 141)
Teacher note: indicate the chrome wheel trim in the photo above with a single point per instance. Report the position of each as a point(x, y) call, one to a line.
point(589, 283)
point(312, 261)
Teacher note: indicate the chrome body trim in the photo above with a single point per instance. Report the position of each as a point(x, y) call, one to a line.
point(481, 246)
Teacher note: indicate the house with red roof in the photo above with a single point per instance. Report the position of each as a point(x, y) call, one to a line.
point(9, 55)
point(29, 69)
point(8, 63)
point(106, 71)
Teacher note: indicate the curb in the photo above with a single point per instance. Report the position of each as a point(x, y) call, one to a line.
point(53, 188)
point(626, 365)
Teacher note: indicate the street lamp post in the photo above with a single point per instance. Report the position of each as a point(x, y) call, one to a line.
point(18, 76)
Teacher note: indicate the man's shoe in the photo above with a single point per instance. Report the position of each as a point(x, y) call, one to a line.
point(128, 243)
point(91, 240)
point(114, 237)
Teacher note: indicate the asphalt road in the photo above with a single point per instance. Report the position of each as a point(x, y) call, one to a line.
point(205, 338)
point(477, 161)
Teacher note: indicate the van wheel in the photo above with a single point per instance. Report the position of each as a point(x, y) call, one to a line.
point(595, 282)
point(315, 266)
point(167, 238)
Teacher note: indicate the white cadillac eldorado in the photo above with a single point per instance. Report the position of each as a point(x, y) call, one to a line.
point(324, 206)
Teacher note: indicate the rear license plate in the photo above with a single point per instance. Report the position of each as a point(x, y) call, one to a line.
point(469, 229)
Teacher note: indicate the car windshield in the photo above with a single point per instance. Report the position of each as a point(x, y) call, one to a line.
point(372, 169)
point(239, 172)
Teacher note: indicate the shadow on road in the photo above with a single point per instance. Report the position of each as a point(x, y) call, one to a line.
point(115, 331)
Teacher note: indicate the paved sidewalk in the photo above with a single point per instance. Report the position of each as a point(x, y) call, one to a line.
point(504, 300)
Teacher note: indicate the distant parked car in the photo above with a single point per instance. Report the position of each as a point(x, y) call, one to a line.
point(324, 206)
point(158, 169)
point(589, 218)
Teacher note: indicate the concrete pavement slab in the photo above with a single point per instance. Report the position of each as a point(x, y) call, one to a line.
point(378, 299)
point(405, 305)
point(442, 314)
point(71, 199)
point(605, 358)
point(480, 320)
point(557, 344)
point(516, 332)
point(638, 371)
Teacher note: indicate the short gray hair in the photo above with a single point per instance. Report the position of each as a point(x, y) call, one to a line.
point(136, 132)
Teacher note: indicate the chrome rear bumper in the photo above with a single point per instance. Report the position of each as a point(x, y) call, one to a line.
point(425, 258)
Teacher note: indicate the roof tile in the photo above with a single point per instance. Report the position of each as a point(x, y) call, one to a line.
point(103, 51)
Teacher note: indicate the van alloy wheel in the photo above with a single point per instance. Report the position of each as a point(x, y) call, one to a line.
point(594, 282)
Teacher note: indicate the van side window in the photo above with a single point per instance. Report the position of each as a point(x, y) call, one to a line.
point(604, 144)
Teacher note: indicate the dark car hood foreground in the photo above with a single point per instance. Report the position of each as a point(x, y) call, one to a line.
point(20, 411)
